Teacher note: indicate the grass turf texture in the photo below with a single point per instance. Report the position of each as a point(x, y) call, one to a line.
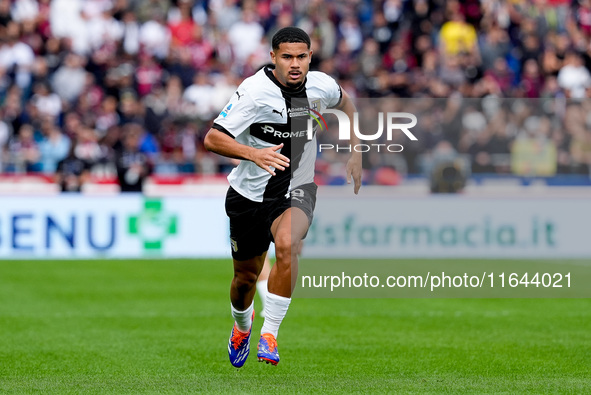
point(162, 327)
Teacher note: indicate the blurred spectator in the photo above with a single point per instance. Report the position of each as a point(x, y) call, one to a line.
point(133, 166)
point(244, 36)
point(130, 109)
point(181, 30)
point(107, 115)
point(87, 148)
point(531, 79)
point(131, 33)
point(179, 149)
point(501, 75)
point(145, 10)
point(16, 57)
point(456, 34)
point(181, 66)
point(200, 49)
point(174, 96)
point(156, 110)
point(4, 137)
point(103, 30)
point(12, 109)
point(68, 80)
point(47, 103)
point(226, 14)
point(155, 36)
point(53, 148)
point(351, 31)
point(71, 125)
point(72, 172)
point(480, 154)
point(66, 21)
point(199, 95)
point(392, 12)
point(573, 77)
point(225, 86)
point(147, 74)
point(5, 16)
point(583, 16)
point(533, 153)
point(24, 151)
point(494, 44)
point(370, 58)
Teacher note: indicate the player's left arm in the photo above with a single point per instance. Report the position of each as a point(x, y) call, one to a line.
point(353, 168)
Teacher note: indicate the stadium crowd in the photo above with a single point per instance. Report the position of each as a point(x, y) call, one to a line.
point(105, 88)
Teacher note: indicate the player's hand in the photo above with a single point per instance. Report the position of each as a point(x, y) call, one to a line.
point(269, 158)
point(354, 171)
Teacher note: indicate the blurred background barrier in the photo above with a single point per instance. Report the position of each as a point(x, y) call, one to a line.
point(450, 226)
point(125, 226)
point(381, 222)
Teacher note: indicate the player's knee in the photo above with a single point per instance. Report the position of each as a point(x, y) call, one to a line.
point(244, 281)
point(286, 246)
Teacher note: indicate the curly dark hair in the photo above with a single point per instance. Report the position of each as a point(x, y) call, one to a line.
point(290, 34)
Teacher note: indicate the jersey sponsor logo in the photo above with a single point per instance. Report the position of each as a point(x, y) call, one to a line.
point(304, 111)
point(279, 112)
point(267, 129)
point(297, 112)
point(239, 95)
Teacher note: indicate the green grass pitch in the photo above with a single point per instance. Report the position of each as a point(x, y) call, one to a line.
point(121, 326)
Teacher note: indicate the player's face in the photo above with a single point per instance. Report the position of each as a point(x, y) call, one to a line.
point(292, 62)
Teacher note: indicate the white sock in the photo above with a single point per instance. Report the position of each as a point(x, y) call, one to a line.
point(243, 318)
point(275, 310)
point(263, 291)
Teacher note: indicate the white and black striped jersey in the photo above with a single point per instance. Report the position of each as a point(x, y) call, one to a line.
point(263, 113)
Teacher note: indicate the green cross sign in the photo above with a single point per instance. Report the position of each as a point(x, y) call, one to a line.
point(153, 225)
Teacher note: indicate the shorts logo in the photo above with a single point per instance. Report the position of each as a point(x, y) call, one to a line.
point(297, 194)
point(234, 245)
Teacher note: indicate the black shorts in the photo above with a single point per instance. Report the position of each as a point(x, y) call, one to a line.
point(250, 222)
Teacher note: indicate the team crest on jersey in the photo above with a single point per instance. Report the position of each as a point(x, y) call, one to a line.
point(315, 105)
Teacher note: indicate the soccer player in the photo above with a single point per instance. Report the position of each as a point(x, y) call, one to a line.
point(272, 192)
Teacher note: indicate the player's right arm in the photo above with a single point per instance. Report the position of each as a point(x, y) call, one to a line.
point(240, 112)
point(265, 158)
